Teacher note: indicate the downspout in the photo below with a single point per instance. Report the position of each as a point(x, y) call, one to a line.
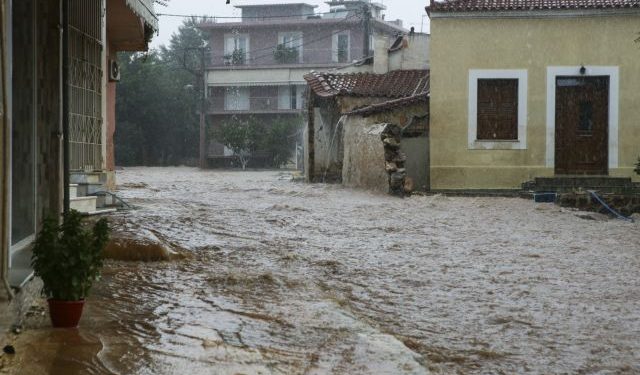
point(65, 105)
point(4, 238)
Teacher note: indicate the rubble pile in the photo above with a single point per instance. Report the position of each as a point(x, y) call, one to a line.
point(394, 160)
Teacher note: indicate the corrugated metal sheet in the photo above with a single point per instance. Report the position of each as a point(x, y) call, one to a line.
point(144, 9)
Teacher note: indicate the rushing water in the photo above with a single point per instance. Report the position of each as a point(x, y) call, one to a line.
point(290, 278)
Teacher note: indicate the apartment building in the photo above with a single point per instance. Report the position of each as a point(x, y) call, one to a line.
point(257, 64)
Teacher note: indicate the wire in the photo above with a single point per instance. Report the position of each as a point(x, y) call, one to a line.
point(254, 58)
point(274, 47)
point(246, 17)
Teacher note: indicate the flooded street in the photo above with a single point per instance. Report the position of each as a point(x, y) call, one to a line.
point(289, 278)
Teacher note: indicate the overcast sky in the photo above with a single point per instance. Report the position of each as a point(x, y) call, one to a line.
point(410, 11)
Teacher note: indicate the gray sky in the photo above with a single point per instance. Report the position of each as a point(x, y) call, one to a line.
point(410, 11)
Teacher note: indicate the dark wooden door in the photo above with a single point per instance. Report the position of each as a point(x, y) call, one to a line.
point(582, 125)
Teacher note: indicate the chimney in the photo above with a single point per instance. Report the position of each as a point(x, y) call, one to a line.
point(380, 54)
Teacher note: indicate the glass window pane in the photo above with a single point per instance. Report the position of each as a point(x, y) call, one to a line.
point(23, 182)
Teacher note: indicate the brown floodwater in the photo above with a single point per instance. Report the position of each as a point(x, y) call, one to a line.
point(289, 278)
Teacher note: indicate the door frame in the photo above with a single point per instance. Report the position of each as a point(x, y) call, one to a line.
point(613, 72)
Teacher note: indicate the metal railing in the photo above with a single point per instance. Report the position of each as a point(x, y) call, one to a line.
point(254, 103)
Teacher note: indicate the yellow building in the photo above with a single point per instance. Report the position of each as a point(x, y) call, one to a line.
point(526, 88)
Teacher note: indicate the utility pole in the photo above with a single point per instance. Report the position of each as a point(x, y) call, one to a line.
point(203, 109)
point(366, 13)
point(201, 76)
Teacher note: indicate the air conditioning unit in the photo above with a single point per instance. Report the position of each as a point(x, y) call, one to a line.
point(114, 71)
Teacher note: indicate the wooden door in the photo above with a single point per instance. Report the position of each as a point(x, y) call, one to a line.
point(582, 125)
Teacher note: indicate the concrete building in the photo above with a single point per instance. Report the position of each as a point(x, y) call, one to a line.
point(54, 74)
point(529, 89)
point(257, 65)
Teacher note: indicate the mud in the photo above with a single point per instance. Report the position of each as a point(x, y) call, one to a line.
point(289, 278)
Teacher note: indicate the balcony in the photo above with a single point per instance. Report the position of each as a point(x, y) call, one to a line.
point(253, 105)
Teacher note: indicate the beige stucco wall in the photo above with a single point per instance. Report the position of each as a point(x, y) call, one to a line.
point(458, 45)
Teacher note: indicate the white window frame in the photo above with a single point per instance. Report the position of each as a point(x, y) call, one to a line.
point(227, 47)
point(297, 36)
point(334, 45)
point(614, 107)
point(284, 96)
point(473, 142)
point(238, 105)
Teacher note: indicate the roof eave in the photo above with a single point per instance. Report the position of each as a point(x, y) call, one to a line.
point(534, 13)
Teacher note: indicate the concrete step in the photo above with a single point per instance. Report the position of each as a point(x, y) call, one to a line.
point(73, 190)
point(89, 188)
point(101, 211)
point(84, 204)
point(584, 181)
point(86, 177)
point(602, 184)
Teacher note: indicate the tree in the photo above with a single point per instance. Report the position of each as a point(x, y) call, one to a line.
point(242, 136)
point(246, 137)
point(158, 101)
point(280, 139)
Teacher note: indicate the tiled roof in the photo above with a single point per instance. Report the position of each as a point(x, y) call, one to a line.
point(395, 84)
point(525, 5)
point(390, 105)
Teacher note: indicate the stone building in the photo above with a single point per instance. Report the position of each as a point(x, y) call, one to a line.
point(350, 116)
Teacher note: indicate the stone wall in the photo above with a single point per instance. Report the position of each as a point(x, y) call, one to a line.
point(364, 159)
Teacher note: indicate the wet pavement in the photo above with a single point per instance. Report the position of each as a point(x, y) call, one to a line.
point(281, 277)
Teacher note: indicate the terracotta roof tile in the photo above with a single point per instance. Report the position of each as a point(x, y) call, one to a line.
point(524, 5)
point(390, 105)
point(396, 84)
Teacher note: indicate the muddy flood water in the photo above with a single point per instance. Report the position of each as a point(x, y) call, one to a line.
point(282, 277)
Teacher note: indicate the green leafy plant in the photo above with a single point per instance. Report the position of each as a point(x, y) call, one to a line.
point(242, 136)
point(237, 57)
point(69, 257)
point(285, 55)
point(637, 169)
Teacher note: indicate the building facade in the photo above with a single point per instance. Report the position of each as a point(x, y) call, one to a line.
point(525, 89)
point(54, 76)
point(257, 65)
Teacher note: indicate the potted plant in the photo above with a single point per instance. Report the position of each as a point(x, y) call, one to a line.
point(68, 259)
point(285, 55)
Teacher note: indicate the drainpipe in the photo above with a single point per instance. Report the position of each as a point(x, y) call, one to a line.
point(65, 104)
point(4, 235)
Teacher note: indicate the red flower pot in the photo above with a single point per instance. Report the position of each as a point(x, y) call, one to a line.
point(65, 314)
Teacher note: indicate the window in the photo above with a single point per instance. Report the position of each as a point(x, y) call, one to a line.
point(341, 48)
point(289, 47)
point(497, 109)
point(290, 97)
point(236, 49)
point(236, 99)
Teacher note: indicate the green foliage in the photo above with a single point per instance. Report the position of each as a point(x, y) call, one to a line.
point(279, 139)
point(246, 136)
point(69, 257)
point(242, 136)
point(285, 55)
point(158, 102)
point(342, 54)
point(237, 57)
point(637, 169)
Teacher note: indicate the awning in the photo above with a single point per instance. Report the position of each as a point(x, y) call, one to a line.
point(144, 9)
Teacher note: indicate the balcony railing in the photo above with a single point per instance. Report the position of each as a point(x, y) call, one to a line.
point(253, 104)
point(286, 56)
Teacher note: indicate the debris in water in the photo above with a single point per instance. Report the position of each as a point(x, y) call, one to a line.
point(9, 349)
